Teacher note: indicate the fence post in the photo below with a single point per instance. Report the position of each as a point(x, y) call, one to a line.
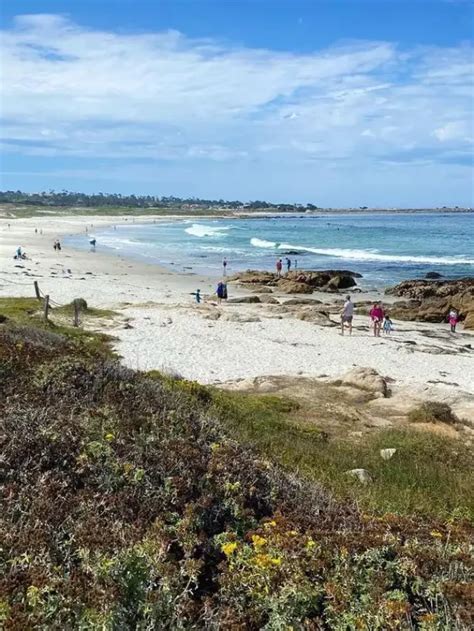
point(37, 291)
point(46, 307)
point(76, 313)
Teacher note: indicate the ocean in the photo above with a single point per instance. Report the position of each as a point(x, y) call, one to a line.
point(385, 248)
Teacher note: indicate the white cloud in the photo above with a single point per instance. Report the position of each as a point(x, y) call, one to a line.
point(74, 91)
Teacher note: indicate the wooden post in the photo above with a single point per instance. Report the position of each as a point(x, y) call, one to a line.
point(76, 313)
point(37, 291)
point(46, 307)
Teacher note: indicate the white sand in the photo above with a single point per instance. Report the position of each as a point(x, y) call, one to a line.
point(174, 333)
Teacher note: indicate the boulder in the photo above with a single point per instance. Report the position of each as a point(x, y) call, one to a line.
point(433, 275)
point(294, 287)
point(366, 379)
point(244, 300)
point(361, 474)
point(255, 277)
point(340, 282)
point(302, 301)
point(316, 317)
point(268, 300)
point(388, 453)
point(240, 317)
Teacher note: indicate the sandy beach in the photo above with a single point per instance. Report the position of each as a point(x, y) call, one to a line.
point(159, 326)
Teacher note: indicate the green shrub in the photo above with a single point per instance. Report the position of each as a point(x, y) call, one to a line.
point(433, 412)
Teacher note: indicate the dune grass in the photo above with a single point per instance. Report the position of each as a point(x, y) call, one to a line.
point(428, 475)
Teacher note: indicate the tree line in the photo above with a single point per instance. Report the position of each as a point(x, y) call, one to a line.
point(116, 200)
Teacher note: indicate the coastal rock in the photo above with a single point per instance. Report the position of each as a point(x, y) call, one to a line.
point(255, 277)
point(269, 300)
point(316, 317)
point(293, 287)
point(361, 474)
point(300, 281)
point(240, 317)
point(433, 275)
point(340, 282)
point(302, 301)
point(366, 379)
point(431, 300)
point(388, 453)
point(244, 300)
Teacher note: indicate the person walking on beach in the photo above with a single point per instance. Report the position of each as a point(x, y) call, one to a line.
point(221, 292)
point(288, 264)
point(376, 316)
point(224, 266)
point(453, 319)
point(347, 315)
point(279, 266)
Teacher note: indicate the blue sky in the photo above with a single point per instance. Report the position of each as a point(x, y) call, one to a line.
point(336, 102)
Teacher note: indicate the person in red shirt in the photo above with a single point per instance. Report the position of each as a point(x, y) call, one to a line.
point(376, 316)
point(279, 266)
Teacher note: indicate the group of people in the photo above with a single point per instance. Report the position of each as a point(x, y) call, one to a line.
point(279, 265)
point(380, 320)
point(221, 293)
point(57, 246)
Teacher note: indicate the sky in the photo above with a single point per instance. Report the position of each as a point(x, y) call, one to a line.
point(340, 103)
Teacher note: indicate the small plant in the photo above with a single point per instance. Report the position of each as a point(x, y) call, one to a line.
point(433, 412)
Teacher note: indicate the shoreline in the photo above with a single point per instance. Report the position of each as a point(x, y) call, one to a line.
point(160, 327)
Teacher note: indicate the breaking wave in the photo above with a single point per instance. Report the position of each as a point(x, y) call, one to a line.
point(200, 230)
point(365, 255)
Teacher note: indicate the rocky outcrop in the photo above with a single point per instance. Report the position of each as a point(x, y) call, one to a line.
point(431, 300)
point(246, 300)
point(300, 281)
point(366, 379)
point(294, 287)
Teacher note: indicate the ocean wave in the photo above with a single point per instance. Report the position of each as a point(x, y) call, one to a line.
point(365, 255)
point(200, 230)
point(261, 243)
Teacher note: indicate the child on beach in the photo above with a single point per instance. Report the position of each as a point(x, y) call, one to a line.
point(387, 325)
point(224, 266)
point(453, 319)
point(197, 295)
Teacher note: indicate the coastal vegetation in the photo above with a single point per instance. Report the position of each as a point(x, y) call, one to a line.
point(140, 500)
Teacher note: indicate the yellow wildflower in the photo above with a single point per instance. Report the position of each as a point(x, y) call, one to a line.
point(436, 533)
point(310, 544)
point(109, 436)
point(276, 561)
point(258, 541)
point(270, 524)
point(215, 446)
point(229, 548)
point(292, 533)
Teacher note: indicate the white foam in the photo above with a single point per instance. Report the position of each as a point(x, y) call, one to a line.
point(261, 243)
point(366, 255)
point(200, 230)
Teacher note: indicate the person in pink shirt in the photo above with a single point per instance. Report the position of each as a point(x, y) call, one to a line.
point(376, 316)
